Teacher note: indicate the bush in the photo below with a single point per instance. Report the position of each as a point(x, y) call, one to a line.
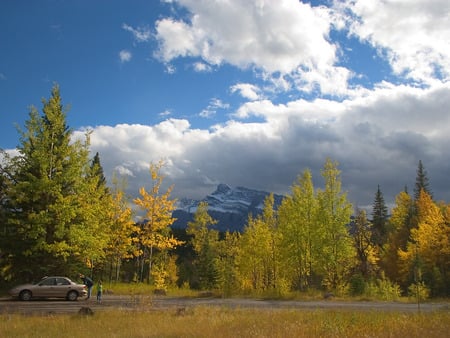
point(419, 291)
point(357, 285)
point(382, 289)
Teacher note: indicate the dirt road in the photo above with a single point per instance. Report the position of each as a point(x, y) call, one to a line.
point(155, 303)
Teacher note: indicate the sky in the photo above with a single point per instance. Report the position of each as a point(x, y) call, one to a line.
point(246, 93)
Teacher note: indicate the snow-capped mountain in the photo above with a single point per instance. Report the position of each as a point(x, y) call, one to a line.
point(230, 206)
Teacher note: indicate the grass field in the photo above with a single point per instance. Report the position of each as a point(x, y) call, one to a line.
point(225, 322)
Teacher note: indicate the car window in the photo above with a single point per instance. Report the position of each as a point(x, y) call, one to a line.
point(48, 281)
point(62, 281)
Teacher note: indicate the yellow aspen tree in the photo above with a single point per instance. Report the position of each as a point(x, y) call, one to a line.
point(155, 233)
point(228, 251)
point(426, 257)
point(297, 226)
point(258, 259)
point(400, 224)
point(122, 242)
point(334, 211)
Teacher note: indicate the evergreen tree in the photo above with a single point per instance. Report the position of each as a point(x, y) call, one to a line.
point(44, 185)
point(205, 241)
point(422, 182)
point(379, 220)
point(366, 251)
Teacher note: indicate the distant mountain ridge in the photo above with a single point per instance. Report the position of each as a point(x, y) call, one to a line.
point(230, 206)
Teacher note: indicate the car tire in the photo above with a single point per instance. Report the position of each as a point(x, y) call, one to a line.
point(72, 296)
point(25, 295)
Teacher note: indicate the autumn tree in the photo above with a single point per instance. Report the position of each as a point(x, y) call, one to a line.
point(155, 234)
point(204, 241)
point(337, 253)
point(379, 220)
point(258, 259)
point(228, 251)
point(297, 218)
point(123, 229)
point(45, 215)
point(427, 254)
point(400, 222)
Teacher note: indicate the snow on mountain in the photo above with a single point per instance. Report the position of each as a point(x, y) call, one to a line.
point(230, 206)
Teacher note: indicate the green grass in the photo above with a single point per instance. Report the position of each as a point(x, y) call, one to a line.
point(225, 322)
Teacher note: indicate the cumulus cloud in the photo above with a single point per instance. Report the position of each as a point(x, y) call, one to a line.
point(246, 90)
point(378, 138)
point(414, 34)
point(377, 134)
point(125, 56)
point(286, 36)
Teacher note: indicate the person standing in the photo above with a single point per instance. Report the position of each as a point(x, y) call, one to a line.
point(89, 284)
point(99, 291)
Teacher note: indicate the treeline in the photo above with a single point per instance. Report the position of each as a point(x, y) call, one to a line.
point(59, 216)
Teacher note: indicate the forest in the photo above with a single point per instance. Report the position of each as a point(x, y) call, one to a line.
point(59, 216)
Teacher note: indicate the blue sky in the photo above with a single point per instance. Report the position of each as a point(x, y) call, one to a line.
point(241, 92)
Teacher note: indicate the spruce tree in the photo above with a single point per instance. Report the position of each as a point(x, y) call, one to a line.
point(204, 241)
point(422, 182)
point(379, 220)
point(43, 186)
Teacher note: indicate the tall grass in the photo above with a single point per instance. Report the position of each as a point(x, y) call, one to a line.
point(226, 322)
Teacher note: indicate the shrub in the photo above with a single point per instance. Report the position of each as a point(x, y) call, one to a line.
point(419, 291)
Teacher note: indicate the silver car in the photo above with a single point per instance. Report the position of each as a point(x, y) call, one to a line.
point(50, 287)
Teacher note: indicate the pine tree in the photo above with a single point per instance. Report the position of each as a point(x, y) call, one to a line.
point(379, 220)
point(422, 182)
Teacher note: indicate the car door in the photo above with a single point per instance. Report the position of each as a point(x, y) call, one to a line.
point(62, 287)
point(46, 288)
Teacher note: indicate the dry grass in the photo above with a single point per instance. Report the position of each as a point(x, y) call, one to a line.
point(225, 322)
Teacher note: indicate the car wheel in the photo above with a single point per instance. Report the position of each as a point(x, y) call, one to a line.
point(72, 295)
point(25, 295)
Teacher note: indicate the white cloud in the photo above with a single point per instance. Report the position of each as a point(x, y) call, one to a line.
point(286, 36)
point(414, 34)
point(125, 56)
point(247, 90)
point(213, 106)
point(378, 138)
point(202, 67)
point(140, 34)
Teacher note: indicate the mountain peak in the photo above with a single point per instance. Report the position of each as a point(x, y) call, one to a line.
point(230, 206)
